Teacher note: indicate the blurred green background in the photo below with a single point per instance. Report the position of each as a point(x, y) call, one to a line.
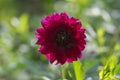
point(18, 52)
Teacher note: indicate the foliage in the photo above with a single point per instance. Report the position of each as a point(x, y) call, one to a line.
point(18, 53)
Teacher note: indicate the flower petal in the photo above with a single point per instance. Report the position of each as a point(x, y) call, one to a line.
point(52, 58)
point(44, 50)
point(40, 31)
point(40, 41)
point(61, 58)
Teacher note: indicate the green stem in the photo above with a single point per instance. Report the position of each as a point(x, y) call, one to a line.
point(61, 72)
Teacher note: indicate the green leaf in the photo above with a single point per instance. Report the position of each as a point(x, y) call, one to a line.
point(117, 69)
point(100, 34)
point(110, 69)
point(112, 62)
point(78, 70)
point(89, 64)
point(23, 26)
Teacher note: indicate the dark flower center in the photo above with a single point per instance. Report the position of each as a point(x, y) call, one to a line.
point(62, 38)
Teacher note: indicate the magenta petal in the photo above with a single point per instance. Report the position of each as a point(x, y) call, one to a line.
point(39, 41)
point(81, 47)
point(61, 58)
point(44, 50)
point(64, 15)
point(52, 58)
point(40, 31)
point(72, 21)
point(73, 54)
point(37, 35)
point(48, 56)
point(69, 60)
point(80, 55)
point(45, 23)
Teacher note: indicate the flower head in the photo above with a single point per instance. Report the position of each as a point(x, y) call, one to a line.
point(61, 37)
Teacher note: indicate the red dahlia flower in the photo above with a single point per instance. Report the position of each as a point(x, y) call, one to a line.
point(62, 38)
